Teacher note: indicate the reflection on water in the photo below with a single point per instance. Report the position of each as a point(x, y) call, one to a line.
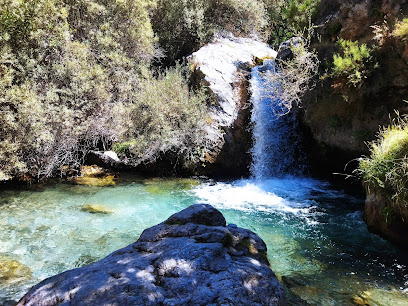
point(317, 242)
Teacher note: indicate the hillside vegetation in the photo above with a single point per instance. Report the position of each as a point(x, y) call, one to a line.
point(76, 75)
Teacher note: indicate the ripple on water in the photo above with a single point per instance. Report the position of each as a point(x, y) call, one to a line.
point(317, 241)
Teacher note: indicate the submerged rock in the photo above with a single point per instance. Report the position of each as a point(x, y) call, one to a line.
point(190, 259)
point(92, 171)
point(12, 270)
point(377, 296)
point(169, 185)
point(96, 209)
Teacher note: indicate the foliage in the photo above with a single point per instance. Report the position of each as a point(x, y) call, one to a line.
point(401, 29)
point(68, 71)
point(184, 25)
point(387, 166)
point(288, 17)
point(164, 116)
point(353, 62)
point(293, 76)
point(122, 147)
point(76, 75)
point(299, 13)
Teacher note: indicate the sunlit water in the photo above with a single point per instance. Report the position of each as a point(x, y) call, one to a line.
point(317, 241)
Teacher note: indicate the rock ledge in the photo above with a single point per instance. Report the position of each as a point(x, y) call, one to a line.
point(192, 258)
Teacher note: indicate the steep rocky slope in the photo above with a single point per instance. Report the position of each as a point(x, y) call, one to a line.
point(341, 118)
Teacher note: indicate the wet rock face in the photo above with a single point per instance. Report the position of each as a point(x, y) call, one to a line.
point(190, 259)
point(385, 221)
point(224, 66)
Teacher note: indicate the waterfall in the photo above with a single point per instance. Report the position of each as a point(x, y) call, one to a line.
point(276, 143)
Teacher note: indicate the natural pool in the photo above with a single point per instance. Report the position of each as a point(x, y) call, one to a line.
point(317, 241)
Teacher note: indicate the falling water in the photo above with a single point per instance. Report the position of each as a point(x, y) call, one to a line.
point(276, 149)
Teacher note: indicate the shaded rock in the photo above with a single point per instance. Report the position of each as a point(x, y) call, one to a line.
point(354, 18)
point(285, 48)
point(178, 262)
point(391, 7)
point(224, 67)
point(338, 118)
point(198, 214)
point(384, 220)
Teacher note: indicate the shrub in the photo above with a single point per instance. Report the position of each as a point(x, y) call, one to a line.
point(289, 17)
point(401, 29)
point(353, 63)
point(386, 168)
point(64, 68)
point(182, 26)
point(300, 13)
point(293, 77)
point(164, 116)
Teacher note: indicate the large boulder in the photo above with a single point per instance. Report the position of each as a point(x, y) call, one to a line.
point(192, 258)
point(224, 67)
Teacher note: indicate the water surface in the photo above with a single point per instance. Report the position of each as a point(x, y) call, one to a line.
point(317, 241)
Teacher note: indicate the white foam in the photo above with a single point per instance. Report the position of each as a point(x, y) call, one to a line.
point(246, 196)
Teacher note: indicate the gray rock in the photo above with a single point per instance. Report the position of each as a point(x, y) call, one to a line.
point(198, 214)
point(190, 259)
point(285, 48)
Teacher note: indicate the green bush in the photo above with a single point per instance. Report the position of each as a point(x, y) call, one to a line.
point(122, 147)
point(386, 169)
point(288, 18)
point(64, 68)
point(401, 29)
point(353, 62)
point(164, 116)
point(300, 13)
point(77, 74)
